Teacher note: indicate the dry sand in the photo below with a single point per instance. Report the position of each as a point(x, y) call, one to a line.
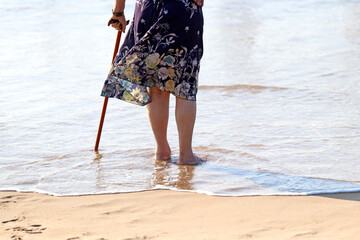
point(164, 214)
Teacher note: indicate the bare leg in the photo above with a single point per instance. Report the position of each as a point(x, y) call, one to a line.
point(185, 113)
point(158, 112)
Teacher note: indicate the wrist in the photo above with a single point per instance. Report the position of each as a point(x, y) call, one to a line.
point(117, 13)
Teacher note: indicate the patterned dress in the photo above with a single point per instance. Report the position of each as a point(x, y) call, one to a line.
point(162, 48)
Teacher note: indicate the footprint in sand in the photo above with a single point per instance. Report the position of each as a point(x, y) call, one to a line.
point(14, 237)
point(8, 201)
point(35, 225)
point(33, 229)
point(11, 220)
point(6, 197)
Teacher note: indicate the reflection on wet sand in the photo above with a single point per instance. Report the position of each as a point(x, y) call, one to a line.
point(100, 175)
point(165, 174)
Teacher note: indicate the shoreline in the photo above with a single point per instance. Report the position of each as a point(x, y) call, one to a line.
point(188, 191)
point(167, 214)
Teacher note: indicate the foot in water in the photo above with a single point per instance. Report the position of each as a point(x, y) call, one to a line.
point(190, 160)
point(163, 155)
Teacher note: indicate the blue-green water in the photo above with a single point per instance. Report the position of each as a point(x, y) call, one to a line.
point(278, 103)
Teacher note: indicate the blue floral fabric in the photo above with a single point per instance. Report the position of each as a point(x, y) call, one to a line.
point(162, 48)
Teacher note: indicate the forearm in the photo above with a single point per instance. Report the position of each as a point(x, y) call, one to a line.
point(119, 5)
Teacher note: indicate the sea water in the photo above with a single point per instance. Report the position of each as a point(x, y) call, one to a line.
point(278, 102)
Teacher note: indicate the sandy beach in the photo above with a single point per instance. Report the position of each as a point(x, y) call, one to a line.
point(164, 214)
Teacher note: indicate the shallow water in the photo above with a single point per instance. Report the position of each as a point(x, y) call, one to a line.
point(278, 103)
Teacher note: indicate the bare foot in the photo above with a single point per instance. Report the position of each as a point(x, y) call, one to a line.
point(163, 155)
point(190, 160)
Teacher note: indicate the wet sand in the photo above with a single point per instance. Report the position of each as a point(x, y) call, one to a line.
point(164, 214)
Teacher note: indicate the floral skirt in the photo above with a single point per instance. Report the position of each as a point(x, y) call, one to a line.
point(162, 48)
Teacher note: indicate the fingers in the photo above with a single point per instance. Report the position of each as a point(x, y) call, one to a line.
point(119, 23)
point(122, 24)
point(117, 26)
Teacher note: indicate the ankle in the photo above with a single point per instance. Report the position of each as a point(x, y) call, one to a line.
point(163, 149)
point(164, 146)
point(163, 153)
point(186, 154)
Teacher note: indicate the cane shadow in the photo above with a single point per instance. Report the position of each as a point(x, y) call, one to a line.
point(293, 185)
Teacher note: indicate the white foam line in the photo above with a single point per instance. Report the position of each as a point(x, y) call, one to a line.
point(180, 190)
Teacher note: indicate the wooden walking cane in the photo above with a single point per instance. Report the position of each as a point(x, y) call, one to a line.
point(106, 98)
